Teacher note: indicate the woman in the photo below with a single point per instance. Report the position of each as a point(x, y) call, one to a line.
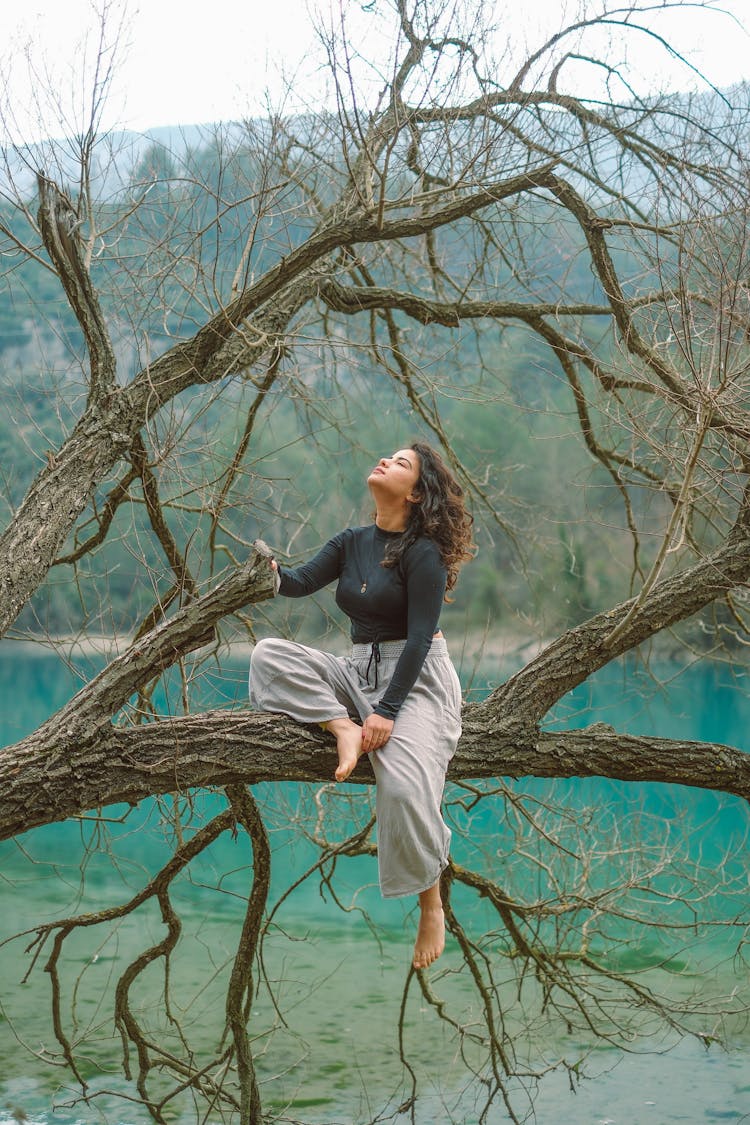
point(397, 696)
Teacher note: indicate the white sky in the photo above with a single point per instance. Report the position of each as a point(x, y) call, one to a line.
point(194, 61)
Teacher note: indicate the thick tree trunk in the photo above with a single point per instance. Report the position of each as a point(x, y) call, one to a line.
point(219, 748)
point(57, 497)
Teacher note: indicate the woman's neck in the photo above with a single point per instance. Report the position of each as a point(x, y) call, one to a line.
point(390, 518)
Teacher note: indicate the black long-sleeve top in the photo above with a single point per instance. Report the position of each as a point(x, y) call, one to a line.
point(395, 603)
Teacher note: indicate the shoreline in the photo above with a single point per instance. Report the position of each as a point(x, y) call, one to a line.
point(508, 648)
point(471, 644)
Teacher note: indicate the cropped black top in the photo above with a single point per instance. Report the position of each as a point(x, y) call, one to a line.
point(396, 603)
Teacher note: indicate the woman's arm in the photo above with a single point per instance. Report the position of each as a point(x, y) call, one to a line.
point(298, 582)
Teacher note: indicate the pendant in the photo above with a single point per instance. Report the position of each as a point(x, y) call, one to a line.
point(363, 588)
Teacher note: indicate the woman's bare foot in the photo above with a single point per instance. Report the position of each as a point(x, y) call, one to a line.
point(430, 941)
point(348, 735)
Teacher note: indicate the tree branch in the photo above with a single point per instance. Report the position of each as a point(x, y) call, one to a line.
point(190, 628)
point(59, 223)
point(577, 653)
point(42, 785)
point(352, 299)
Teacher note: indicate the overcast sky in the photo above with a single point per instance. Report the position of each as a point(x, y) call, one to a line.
point(185, 61)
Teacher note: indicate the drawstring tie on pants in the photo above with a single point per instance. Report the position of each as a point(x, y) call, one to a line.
point(374, 657)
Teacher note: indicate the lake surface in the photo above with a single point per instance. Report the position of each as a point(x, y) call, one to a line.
point(339, 986)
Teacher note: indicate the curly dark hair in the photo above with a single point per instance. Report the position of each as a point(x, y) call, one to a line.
point(439, 514)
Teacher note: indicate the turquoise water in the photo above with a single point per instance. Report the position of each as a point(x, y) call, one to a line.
point(329, 1050)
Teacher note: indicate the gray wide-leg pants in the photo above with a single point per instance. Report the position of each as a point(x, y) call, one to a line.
point(312, 687)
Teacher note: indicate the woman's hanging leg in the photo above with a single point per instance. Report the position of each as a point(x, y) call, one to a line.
point(413, 838)
point(430, 941)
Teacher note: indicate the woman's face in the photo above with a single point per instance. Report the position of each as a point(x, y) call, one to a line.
point(397, 476)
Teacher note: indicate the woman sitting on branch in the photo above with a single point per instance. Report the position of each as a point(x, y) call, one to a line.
point(397, 696)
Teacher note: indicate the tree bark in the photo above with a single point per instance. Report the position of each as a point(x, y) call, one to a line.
point(219, 748)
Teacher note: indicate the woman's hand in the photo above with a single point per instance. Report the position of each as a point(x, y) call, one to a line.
point(376, 730)
point(276, 576)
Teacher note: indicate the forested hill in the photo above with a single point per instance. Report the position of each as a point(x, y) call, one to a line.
point(301, 475)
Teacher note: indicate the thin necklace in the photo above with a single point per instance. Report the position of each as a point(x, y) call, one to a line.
point(366, 576)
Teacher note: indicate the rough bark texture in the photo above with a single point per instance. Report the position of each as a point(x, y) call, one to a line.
point(221, 748)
